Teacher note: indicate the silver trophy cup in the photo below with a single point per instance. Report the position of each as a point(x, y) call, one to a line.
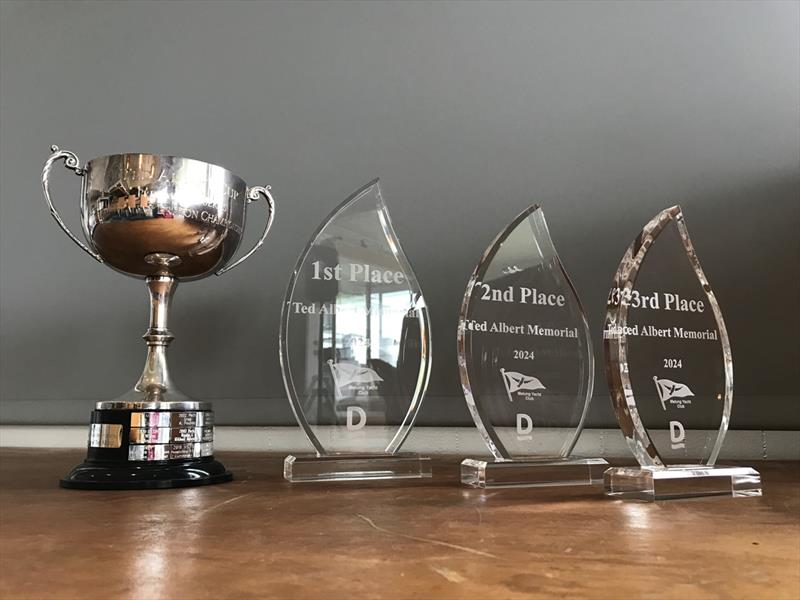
point(161, 219)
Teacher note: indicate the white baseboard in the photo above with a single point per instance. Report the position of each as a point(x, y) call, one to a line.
point(458, 441)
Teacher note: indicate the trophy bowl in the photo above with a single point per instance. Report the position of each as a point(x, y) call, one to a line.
point(162, 219)
point(137, 205)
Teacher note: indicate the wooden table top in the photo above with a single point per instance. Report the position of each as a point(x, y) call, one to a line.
point(260, 537)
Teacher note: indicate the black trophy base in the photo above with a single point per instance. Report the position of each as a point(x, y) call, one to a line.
point(138, 446)
point(91, 475)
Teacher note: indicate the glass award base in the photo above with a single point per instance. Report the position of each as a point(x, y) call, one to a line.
point(532, 472)
point(681, 481)
point(355, 467)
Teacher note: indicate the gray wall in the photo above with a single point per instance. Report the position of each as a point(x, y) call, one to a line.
point(603, 112)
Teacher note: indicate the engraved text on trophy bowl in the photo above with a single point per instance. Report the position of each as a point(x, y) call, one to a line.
point(139, 204)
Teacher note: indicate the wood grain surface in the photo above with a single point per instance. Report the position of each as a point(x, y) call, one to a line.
point(260, 537)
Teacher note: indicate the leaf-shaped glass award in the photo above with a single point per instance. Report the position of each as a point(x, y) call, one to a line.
point(526, 363)
point(670, 370)
point(355, 347)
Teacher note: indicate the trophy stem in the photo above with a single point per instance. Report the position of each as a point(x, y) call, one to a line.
point(153, 436)
point(155, 380)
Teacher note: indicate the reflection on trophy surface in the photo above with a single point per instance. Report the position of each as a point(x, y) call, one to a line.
point(140, 204)
point(163, 219)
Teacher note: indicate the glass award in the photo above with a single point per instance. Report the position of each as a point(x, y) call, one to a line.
point(526, 363)
point(670, 371)
point(355, 348)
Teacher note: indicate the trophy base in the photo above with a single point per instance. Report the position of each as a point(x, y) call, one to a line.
point(149, 445)
point(681, 481)
point(355, 467)
point(532, 472)
point(95, 476)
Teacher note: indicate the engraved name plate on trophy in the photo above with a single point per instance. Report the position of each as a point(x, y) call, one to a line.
point(670, 371)
point(355, 348)
point(526, 363)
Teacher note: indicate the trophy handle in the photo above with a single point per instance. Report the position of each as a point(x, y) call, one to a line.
point(253, 194)
point(71, 163)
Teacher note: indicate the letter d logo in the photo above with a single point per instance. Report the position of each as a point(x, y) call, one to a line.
point(676, 435)
point(352, 424)
point(524, 427)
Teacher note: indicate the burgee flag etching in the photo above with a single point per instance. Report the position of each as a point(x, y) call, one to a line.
point(670, 389)
point(346, 373)
point(515, 382)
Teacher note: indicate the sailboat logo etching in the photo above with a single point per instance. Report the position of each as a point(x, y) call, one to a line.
point(524, 386)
